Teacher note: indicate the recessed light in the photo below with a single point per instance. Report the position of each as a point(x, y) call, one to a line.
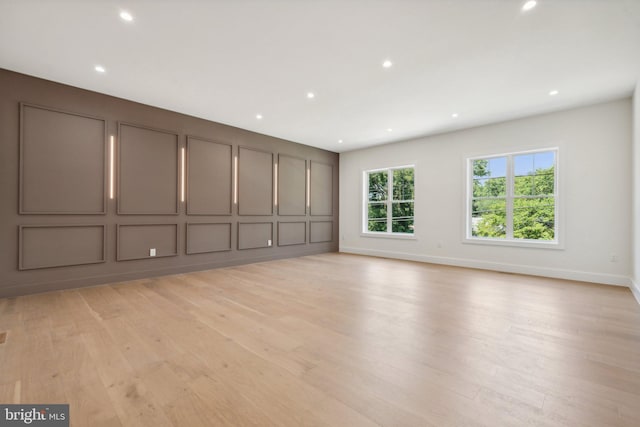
point(454, 115)
point(100, 69)
point(389, 130)
point(554, 92)
point(259, 116)
point(339, 141)
point(387, 64)
point(529, 5)
point(126, 16)
point(311, 95)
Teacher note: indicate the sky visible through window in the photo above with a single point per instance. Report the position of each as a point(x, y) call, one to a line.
point(527, 164)
point(513, 196)
point(524, 164)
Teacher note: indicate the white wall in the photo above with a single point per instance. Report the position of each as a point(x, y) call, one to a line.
point(636, 193)
point(595, 183)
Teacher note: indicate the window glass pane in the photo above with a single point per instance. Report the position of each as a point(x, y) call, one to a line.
point(544, 160)
point(489, 218)
point(402, 225)
point(403, 184)
point(377, 217)
point(378, 186)
point(534, 218)
point(534, 174)
point(490, 168)
point(544, 183)
point(523, 185)
point(489, 187)
point(523, 165)
point(377, 225)
point(480, 168)
point(498, 167)
point(377, 211)
point(402, 210)
point(402, 220)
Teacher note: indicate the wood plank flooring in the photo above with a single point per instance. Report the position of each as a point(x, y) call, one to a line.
point(329, 340)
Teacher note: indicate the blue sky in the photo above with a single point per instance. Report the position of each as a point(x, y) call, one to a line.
point(524, 164)
point(527, 163)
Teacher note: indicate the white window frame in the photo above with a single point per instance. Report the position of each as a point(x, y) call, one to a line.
point(365, 206)
point(509, 240)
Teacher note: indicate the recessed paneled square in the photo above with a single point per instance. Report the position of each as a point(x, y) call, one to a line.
point(60, 245)
point(148, 183)
point(255, 182)
point(321, 231)
point(203, 238)
point(321, 189)
point(62, 162)
point(292, 187)
point(255, 235)
point(292, 233)
point(141, 241)
point(209, 177)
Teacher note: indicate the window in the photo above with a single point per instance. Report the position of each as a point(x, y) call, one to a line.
point(513, 198)
point(389, 201)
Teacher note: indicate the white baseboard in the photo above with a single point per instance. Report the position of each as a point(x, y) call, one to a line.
point(583, 276)
point(635, 289)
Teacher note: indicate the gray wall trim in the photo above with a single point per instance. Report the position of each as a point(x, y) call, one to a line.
point(281, 223)
point(311, 204)
point(187, 189)
point(119, 228)
point(319, 240)
point(118, 171)
point(21, 255)
point(303, 212)
point(190, 224)
point(265, 246)
point(21, 209)
point(242, 147)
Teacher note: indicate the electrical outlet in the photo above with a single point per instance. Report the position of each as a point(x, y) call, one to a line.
point(152, 252)
point(268, 242)
point(613, 258)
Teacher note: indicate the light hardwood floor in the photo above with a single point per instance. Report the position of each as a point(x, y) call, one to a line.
point(329, 340)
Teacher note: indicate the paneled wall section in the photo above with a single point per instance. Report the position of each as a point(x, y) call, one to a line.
point(52, 181)
point(107, 190)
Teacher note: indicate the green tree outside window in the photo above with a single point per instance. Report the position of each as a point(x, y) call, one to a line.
point(531, 200)
point(390, 204)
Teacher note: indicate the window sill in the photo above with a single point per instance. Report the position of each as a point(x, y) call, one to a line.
point(390, 236)
point(516, 243)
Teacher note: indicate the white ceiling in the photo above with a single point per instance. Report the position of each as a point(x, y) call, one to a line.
point(227, 61)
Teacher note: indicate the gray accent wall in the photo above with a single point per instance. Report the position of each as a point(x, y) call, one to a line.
point(210, 180)
point(292, 233)
point(51, 180)
point(292, 185)
point(60, 228)
point(322, 178)
point(255, 182)
point(148, 173)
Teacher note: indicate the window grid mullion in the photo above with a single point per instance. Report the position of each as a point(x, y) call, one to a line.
point(510, 196)
point(510, 191)
point(389, 200)
point(470, 198)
